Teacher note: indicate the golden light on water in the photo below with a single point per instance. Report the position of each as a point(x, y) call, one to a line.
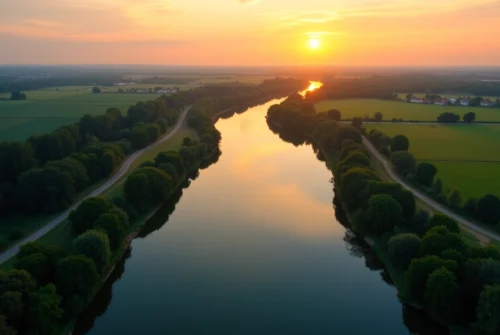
point(314, 85)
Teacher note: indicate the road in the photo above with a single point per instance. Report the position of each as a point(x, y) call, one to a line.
point(113, 180)
point(434, 204)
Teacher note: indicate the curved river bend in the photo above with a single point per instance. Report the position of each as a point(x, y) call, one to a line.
point(253, 247)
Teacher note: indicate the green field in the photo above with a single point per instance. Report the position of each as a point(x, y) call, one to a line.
point(45, 110)
point(402, 110)
point(466, 156)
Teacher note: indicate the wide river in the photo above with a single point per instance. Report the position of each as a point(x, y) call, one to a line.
point(252, 247)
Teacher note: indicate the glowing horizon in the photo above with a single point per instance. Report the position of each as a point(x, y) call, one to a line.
point(246, 32)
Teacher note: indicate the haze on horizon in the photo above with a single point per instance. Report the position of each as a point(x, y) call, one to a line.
point(251, 32)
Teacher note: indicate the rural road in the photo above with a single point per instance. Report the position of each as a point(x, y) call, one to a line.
point(439, 207)
point(116, 177)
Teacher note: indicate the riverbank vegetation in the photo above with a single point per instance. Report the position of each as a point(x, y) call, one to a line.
point(431, 264)
point(51, 284)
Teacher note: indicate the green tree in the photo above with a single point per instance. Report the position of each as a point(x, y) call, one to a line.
point(107, 164)
point(136, 189)
point(400, 143)
point(384, 213)
point(403, 248)
point(488, 209)
point(469, 117)
point(443, 220)
point(76, 170)
point(357, 122)
point(404, 162)
point(441, 294)
point(83, 218)
point(334, 114)
point(139, 137)
point(426, 173)
point(173, 158)
point(12, 306)
point(470, 206)
point(455, 198)
point(96, 90)
point(355, 159)
point(37, 265)
point(16, 280)
point(44, 311)
point(113, 227)
point(76, 275)
point(419, 271)
point(95, 245)
point(439, 239)
point(378, 117)
point(352, 183)
point(488, 310)
point(4, 327)
point(163, 125)
point(122, 215)
point(346, 133)
point(438, 187)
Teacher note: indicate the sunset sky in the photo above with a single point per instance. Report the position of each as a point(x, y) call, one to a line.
point(246, 32)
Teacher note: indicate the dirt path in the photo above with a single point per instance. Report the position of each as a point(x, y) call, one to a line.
point(477, 230)
point(113, 180)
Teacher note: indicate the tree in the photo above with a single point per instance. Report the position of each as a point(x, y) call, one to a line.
point(470, 206)
point(139, 137)
point(400, 143)
point(113, 227)
point(15, 158)
point(357, 123)
point(355, 159)
point(96, 90)
point(403, 248)
point(404, 162)
point(16, 96)
point(441, 292)
point(488, 310)
point(44, 310)
point(37, 265)
point(419, 271)
point(12, 306)
point(426, 173)
point(173, 158)
point(488, 209)
point(4, 328)
point(438, 187)
point(95, 245)
point(378, 117)
point(334, 114)
point(384, 213)
point(448, 117)
point(122, 215)
point(75, 169)
point(83, 218)
point(439, 239)
point(455, 199)
point(76, 275)
point(419, 222)
point(476, 101)
point(443, 220)
point(352, 183)
point(136, 189)
point(469, 117)
point(163, 125)
point(47, 147)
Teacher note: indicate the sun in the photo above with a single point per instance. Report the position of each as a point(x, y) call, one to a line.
point(314, 43)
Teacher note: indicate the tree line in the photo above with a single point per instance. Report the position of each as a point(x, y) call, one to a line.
point(50, 286)
point(423, 175)
point(453, 281)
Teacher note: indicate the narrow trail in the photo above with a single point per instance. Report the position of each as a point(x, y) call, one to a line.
point(13, 250)
point(432, 203)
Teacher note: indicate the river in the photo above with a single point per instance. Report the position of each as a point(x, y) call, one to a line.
point(252, 247)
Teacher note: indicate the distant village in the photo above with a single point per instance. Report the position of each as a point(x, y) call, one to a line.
point(444, 101)
point(157, 90)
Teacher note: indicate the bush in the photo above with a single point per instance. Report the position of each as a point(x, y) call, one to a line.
point(400, 143)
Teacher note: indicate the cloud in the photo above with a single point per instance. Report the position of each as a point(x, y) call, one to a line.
point(248, 2)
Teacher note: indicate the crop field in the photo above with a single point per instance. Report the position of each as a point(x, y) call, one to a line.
point(401, 110)
point(45, 110)
point(466, 156)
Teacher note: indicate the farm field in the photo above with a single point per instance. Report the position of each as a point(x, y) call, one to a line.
point(46, 110)
point(401, 110)
point(466, 156)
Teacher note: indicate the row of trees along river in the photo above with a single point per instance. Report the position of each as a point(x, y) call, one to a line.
point(254, 246)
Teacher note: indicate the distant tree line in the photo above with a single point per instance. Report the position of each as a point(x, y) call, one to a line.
point(454, 281)
point(384, 86)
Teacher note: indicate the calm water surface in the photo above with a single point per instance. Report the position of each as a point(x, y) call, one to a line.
point(253, 247)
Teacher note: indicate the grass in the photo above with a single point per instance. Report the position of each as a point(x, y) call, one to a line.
point(466, 156)
point(406, 111)
point(46, 110)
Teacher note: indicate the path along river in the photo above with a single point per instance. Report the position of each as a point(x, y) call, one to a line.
point(252, 247)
